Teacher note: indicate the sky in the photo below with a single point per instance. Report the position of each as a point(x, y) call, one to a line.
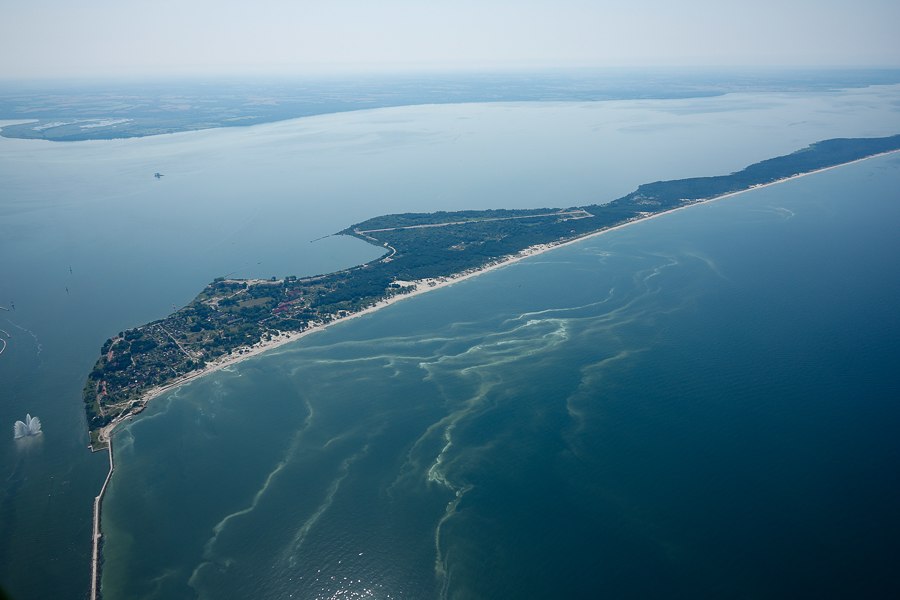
point(100, 38)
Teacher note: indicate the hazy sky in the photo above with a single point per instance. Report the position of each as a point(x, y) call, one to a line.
point(49, 38)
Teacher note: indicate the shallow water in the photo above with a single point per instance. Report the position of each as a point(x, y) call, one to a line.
point(93, 244)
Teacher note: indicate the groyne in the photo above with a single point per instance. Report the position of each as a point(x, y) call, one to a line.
point(96, 535)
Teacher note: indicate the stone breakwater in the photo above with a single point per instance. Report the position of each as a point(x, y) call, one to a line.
point(96, 535)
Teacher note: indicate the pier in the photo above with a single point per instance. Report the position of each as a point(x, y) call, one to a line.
point(95, 539)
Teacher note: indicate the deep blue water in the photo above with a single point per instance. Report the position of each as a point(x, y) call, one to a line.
point(702, 405)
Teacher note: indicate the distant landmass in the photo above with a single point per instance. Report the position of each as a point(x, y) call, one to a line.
point(102, 110)
point(232, 318)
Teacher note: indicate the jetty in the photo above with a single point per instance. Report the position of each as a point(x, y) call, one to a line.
point(96, 535)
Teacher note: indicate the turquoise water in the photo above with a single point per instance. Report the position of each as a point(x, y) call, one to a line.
point(247, 202)
point(699, 405)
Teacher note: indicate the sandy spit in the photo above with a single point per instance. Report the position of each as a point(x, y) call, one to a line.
point(421, 286)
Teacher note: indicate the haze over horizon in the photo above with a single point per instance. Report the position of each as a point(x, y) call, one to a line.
point(100, 38)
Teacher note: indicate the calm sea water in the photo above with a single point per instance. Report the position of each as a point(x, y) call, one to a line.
point(701, 405)
point(698, 403)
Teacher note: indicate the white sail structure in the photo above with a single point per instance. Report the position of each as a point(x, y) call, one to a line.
point(31, 426)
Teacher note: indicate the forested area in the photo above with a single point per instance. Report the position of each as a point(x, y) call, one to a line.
point(817, 156)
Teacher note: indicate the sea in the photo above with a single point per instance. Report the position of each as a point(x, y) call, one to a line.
point(700, 405)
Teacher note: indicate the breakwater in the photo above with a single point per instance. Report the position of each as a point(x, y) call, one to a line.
point(96, 535)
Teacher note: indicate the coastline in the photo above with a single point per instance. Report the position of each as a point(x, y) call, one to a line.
point(106, 433)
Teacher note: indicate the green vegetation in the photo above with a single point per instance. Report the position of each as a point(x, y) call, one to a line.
point(232, 315)
point(817, 156)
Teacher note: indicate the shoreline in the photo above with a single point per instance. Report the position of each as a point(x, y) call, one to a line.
point(422, 286)
point(107, 432)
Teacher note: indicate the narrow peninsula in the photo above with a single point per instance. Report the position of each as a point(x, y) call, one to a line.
point(231, 319)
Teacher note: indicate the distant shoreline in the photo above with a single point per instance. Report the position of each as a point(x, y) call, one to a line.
point(84, 114)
